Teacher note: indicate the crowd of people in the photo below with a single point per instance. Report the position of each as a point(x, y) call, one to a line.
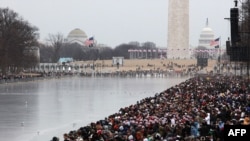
point(25, 77)
point(196, 109)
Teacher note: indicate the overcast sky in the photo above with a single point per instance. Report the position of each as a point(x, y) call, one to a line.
point(113, 22)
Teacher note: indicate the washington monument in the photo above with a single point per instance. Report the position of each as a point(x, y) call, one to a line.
point(178, 29)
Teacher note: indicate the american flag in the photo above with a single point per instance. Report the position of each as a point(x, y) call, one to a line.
point(89, 42)
point(215, 42)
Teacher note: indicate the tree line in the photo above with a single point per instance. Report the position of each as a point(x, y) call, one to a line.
point(58, 48)
point(15, 35)
point(18, 35)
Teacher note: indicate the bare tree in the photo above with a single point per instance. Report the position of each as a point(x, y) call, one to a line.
point(122, 50)
point(57, 41)
point(148, 45)
point(105, 53)
point(245, 23)
point(46, 53)
point(72, 50)
point(15, 35)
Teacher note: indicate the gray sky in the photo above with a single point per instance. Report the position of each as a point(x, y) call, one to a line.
point(113, 22)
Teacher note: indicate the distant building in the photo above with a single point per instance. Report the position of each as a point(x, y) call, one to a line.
point(206, 36)
point(117, 60)
point(80, 37)
point(77, 36)
point(65, 60)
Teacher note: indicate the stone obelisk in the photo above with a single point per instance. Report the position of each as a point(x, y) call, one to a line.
point(178, 29)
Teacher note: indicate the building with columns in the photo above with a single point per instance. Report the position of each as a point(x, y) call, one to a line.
point(206, 36)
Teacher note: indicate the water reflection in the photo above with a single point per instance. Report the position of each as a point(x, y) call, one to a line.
point(41, 109)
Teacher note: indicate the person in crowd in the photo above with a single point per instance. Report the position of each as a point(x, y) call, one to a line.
point(196, 109)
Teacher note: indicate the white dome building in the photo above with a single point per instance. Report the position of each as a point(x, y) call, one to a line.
point(206, 36)
point(77, 36)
